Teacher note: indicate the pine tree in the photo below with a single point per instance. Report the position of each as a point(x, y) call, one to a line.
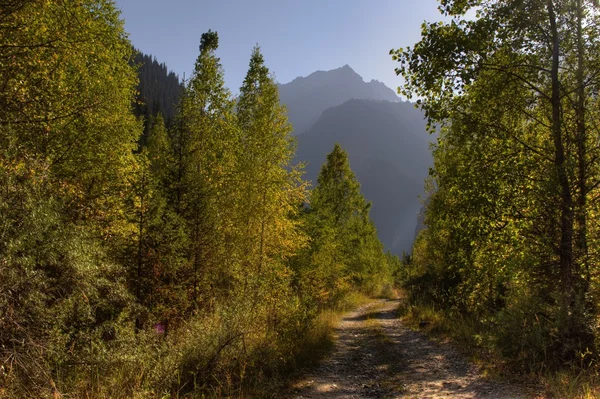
point(160, 152)
point(204, 141)
point(337, 195)
point(270, 188)
point(345, 249)
point(160, 238)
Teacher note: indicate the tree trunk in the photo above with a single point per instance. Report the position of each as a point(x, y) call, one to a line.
point(566, 200)
point(581, 240)
point(138, 323)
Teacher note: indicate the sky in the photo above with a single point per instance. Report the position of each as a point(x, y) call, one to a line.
point(297, 37)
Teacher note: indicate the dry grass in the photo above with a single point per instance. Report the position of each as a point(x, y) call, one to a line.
point(319, 340)
point(572, 384)
point(466, 336)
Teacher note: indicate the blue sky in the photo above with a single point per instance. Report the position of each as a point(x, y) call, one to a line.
point(296, 37)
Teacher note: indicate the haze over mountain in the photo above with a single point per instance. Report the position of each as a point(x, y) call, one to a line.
point(385, 138)
point(389, 152)
point(307, 97)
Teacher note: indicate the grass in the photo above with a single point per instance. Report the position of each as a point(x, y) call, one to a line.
point(436, 323)
point(468, 337)
point(572, 384)
point(172, 368)
point(315, 343)
point(319, 340)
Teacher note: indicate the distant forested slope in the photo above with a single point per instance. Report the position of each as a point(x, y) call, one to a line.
point(159, 90)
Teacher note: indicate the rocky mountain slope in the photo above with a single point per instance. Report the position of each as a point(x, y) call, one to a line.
point(307, 97)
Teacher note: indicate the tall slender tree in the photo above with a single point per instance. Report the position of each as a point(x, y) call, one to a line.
point(270, 186)
point(204, 141)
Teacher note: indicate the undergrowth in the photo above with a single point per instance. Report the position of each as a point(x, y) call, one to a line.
point(212, 357)
point(474, 339)
point(319, 339)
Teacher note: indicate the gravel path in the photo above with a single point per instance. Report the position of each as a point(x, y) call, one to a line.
point(376, 356)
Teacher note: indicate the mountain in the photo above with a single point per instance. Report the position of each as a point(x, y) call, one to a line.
point(388, 150)
point(307, 97)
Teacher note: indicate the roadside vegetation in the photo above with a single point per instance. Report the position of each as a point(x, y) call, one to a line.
point(140, 260)
point(508, 263)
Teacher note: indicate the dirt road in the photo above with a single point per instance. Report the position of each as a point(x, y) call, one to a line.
point(375, 356)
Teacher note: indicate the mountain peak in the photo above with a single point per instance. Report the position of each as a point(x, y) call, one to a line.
point(346, 71)
point(307, 97)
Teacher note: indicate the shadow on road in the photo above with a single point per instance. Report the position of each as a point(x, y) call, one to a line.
point(376, 356)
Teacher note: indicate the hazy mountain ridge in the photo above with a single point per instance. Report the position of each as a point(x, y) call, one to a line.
point(389, 152)
point(307, 97)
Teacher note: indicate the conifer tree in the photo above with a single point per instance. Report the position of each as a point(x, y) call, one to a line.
point(337, 195)
point(160, 239)
point(270, 187)
point(345, 249)
point(160, 152)
point(203, 140)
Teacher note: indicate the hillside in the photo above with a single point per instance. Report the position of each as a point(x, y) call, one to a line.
point(388, 150)
point(158, 91)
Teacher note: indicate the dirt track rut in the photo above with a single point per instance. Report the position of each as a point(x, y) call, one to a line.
point(376, 356)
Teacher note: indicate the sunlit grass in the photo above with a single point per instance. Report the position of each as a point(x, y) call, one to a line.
point(319, 340)
point(467, 336)
point(572, 384)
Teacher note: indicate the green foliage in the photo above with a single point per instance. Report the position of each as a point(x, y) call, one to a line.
point(511, 214)
point(145, 259)
point(345, 252)
point(67, 139)
point(63, 301)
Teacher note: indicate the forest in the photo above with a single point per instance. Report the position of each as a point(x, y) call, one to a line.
point(159, 240)
point(140, 258)
point(510, 252)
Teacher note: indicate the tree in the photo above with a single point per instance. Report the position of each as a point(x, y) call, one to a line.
point(270, 187)
point(337, 194)
point(345, 250)
point(88, 135)
point(518, 83)
point(204, 140)
point(156, 254)
point(67, 136)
